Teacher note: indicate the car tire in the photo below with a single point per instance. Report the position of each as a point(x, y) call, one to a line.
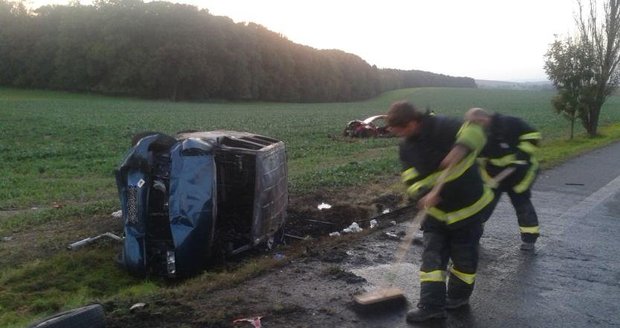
point(91, 316)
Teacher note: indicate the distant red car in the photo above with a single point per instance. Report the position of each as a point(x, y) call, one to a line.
point(374, 126)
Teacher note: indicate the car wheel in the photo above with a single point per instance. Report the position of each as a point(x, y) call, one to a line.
point(91, 316)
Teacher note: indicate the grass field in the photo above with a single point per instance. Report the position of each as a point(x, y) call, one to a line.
point(59, 151)
point(63, 147)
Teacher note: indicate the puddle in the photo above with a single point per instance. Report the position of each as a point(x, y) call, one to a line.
point(402, 275)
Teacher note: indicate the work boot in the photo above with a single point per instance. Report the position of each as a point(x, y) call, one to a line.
point(455, 303)
point(525, 246)
point(423, 313)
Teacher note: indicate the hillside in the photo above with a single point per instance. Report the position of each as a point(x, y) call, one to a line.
point(491, 84)
point(172, 51)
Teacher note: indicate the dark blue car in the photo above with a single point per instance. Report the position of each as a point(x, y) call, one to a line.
point(190, 197)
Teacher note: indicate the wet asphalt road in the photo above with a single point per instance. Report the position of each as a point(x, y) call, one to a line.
point(573, 277)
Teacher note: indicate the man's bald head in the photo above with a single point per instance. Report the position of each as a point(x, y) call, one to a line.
point(478, 116)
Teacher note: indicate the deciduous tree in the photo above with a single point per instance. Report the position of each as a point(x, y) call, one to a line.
point(584, 68)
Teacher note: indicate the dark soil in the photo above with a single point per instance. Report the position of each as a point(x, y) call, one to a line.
point(309, 285)
point(312, 289)
point(305, 219)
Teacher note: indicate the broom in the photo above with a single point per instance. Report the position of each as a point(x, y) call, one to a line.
point(394, 293)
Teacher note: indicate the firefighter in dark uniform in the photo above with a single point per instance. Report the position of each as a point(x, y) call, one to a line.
point(511, 142)
point(440, 148)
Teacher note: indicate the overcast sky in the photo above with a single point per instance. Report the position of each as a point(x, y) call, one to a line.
point(484, 39)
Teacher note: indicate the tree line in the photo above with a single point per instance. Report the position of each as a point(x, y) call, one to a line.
point(178, 52)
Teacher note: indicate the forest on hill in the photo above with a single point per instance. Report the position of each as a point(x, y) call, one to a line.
point(164, 50)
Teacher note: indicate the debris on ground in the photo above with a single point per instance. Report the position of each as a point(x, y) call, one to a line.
point(255, 322)
point(137, 306)
point(418, 238)
point(118, 214)
point(354, 227)
point(392, 235)
point(373, 223)
point(90, 240)
point(324, 206)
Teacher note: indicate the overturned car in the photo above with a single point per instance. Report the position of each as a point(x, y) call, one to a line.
point(189, 198)
point(374, 126)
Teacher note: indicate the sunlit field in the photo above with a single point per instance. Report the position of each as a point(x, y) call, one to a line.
point(63, 147)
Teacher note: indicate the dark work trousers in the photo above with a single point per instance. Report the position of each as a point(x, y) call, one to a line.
point(526, 214)
point(442, 243)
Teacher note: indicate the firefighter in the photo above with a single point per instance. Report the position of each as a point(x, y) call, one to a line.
point(511, 143)
point(436, 148)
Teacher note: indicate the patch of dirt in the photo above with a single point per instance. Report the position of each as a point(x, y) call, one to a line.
point(314, 289)
point(309, 286)
point(357, 205)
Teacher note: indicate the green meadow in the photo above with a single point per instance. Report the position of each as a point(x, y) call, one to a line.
point(61, 148)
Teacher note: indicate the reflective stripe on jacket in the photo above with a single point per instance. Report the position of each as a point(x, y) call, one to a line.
point(511, 142)
point(464, 194)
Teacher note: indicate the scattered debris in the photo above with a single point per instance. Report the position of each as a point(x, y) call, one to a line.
point(319, 221)
point(296, 237)
point(89, 240)
point(118, 214)
point(334, 234)
point(418, 238)
point(392, 235)
point(137, 306)
point(324, 206)
point(354, 227)
point(255, 322)
point(393, 222)
point(373, 223)
point(386, 211)
point(9, 238)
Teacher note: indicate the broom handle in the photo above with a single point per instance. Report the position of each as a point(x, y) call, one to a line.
point(503, 174)
point(403, 247)
point(419, 218)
